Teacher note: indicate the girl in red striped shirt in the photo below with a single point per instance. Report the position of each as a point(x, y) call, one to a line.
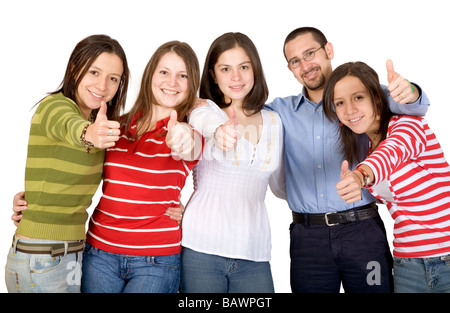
point(404, 168)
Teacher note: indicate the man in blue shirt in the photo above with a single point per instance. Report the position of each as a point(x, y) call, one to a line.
point(332, 242)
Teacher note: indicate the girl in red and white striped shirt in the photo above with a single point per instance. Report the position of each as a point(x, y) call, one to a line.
point(132, 243)
point(405, 169)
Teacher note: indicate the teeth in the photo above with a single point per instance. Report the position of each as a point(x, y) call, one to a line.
point(169, 92)
point(356, 119)
point(95, 95)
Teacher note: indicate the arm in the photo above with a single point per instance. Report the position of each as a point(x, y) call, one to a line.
point(404, 97)
point(214, 124)
point(406, 140)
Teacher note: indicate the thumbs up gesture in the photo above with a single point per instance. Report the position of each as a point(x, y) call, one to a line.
point(180, 137)
point(103, 133)
point(401, 90)
point(349, 188)
point(226, 135)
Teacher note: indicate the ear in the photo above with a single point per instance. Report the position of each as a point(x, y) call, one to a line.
point(329, 50)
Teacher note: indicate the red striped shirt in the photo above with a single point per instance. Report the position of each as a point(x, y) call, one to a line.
point(413, 164)
point(141, 180)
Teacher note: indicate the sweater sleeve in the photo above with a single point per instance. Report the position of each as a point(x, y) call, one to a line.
point(59, 119)
point(406, 140)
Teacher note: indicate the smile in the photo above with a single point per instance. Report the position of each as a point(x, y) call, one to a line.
point(356, 119)
point(169, 92)
point(95, 95)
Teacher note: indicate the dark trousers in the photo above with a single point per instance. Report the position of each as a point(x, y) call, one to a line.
point(355, 254)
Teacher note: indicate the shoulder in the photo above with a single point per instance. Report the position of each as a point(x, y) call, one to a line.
point(58, 101)
point(273, 116)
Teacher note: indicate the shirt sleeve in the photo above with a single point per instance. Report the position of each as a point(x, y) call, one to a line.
point(206, 119)
point(406, 139)
point(418, 108)
point(60, 120)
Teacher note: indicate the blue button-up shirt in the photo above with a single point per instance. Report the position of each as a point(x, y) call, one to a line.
point(312, 153)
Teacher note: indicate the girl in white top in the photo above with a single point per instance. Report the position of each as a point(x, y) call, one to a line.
point(226, 232)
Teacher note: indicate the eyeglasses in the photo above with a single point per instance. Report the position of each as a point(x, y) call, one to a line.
point(308, 56)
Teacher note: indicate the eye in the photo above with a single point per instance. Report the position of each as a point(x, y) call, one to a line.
point(183, 76)
point(93, 72)
point(338, 103)
point(294, 62)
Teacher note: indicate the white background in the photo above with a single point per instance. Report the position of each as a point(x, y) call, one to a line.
point(37, 37)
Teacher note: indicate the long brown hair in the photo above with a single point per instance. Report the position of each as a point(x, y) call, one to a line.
point(84, 54)
point(145, 99)
point(351, 143)
point(254, 101)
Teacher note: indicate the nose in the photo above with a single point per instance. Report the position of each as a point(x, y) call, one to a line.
point(101, 83)
point(350, 108)
point(235, 76)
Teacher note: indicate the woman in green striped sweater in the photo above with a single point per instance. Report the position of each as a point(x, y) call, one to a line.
point(69, 132)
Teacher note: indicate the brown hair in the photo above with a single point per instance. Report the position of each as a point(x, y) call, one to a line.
point(84, 54)
point(145, 99)
point(254, 101)
point(351, 143)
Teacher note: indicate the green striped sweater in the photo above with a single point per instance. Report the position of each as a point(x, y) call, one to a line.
point(60, 177)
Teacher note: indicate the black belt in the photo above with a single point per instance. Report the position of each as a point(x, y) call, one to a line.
point(336, 218)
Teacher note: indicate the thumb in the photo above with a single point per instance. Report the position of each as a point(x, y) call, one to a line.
point(390, 70)
point(101, 115)
point(172, 121)
point(232, 116)
point(344, 168)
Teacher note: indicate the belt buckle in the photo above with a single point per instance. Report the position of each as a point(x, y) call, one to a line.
point(326, 219)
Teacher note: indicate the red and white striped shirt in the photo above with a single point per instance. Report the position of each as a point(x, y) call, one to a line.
point(412, 178)
point(140, 181)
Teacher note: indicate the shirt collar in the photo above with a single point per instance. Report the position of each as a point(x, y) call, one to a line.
point(303, 99)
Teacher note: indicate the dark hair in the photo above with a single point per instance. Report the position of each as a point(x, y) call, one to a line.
point(317, 35)
point(84, 54)
point(145, 99)
point(352, 147)
point(254, 101)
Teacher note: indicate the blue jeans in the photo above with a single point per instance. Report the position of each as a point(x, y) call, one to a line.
point(39, 273)
point(201, 273)
point(356, 255)
point(105, 272)
point(422, 275)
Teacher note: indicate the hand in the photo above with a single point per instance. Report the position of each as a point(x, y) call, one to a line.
point(19, 205)
point(399, 87)
point(103, 133)
point(226, 135)
point(180, 137)
point(176, 213)
point(349, 188)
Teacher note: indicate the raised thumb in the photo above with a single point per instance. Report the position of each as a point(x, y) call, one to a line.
point(232, 116)
point(172, 121)
point(101, 115)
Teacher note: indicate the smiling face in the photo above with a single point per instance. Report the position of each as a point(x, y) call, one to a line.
point(354, 106)
point(100, 83)
point(233, 73)
point(314, 73)
point(170, 81)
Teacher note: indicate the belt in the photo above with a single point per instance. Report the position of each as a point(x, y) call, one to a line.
point(336, 218)
point(54, 249)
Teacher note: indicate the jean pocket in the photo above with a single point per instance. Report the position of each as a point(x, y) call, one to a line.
point(42, 263)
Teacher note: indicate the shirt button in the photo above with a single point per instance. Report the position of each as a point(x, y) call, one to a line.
point(319, 166)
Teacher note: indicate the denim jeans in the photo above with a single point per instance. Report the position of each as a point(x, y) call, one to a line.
point(105, 272)
point(39, 273)
point(202, 272)
point(422, 275)
point(356, 255)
